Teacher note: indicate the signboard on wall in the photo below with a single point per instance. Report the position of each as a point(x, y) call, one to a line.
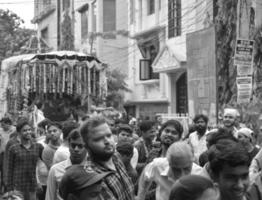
point(244, 89)
point(201, 74)
point(243, 58)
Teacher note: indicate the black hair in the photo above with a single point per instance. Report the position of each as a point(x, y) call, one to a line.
point(146, 125)
point(67, 127)
point(190, 187)
point(74, 135)
point(21, 124)
point(56, 124)
point(125, 127)
point(221, 133)
point(227, 152)
point(44, 123)
point(6, 120)
point(125, 148)
point(171, 122)
point(200, 116)
point(87, 127)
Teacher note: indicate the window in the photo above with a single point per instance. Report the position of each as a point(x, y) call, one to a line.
point(151, 7)
point(44, 34)
point(66, 4)
point(84, 24)
point(109, 15)
point(174, 18)
point(94, 11)
point(145, 65)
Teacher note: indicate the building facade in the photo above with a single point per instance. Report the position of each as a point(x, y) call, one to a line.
point(157, 53)
point(99, 27)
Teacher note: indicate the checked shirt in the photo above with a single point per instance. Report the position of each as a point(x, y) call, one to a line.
point(21, 172)
point(117, 185)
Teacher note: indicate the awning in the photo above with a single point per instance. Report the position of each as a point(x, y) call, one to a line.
point(172, 57)
point(10, 63)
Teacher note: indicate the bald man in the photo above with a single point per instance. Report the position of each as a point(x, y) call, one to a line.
point(165, 171)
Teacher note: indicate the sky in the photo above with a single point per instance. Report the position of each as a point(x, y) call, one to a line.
point(23, 8)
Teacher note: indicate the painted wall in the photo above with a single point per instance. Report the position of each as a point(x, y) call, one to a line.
point(194, 13)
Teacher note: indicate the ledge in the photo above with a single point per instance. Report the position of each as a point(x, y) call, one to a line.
point(45, 13)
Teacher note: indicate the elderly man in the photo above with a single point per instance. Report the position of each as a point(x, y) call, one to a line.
point(230, 120)
point(165, 171)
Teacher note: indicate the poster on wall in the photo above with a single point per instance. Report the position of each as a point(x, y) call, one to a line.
point(201, 74)
point(243, 58)
point(244, 89)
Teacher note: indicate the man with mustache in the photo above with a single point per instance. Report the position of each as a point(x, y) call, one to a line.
point(197, 139)
point(77, 156)
point(171, 131)
point(100, 145)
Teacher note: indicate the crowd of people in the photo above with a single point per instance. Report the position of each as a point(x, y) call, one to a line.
point(102, 159)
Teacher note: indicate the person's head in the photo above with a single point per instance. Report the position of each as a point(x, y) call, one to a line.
point(67, 127)
point(148, 130)
point(214, 136)
point(245, 137)
point(229, 117)
point(98, 138)
point(24, 130)
point(170, 132)
point(229, 164)
point(6, 123)
point(42, 127)
point(54, 131)
point(201, 122)
point(180, 158)
point(76, 147)
point(125, 149)
point(80, 183)
point(125, 132)
point(194, 187)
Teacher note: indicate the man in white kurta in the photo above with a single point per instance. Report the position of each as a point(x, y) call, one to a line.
point(165, 171)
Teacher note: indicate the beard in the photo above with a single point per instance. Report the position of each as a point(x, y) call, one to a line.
point(100, 155)
point(167, 140)
point(201, 130)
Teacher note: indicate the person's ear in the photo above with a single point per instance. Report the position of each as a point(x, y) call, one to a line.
point(216, 188)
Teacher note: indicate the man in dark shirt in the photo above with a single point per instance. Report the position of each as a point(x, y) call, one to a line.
point(145, 143)
point(22, 160)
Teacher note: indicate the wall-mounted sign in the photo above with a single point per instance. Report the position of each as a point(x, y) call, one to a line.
point(244, 89)
point(243, 58)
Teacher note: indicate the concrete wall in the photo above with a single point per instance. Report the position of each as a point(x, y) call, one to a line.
point(49, 22)
point(194, 13)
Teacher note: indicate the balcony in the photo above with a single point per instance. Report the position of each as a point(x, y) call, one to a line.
point(48, 10)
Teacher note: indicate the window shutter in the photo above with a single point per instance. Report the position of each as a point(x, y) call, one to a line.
point(145, 69)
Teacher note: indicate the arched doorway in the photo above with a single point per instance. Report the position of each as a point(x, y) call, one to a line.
point(181, 94)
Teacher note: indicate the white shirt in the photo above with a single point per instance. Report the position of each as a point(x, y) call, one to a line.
point(134, 159)
point(198, 144)
point(55, 175)
point(158, 171)
point(61, 154)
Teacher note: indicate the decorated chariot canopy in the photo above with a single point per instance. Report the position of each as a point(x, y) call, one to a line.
point(52, 75)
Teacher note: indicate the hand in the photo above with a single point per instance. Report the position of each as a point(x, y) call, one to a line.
point(39, 187)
